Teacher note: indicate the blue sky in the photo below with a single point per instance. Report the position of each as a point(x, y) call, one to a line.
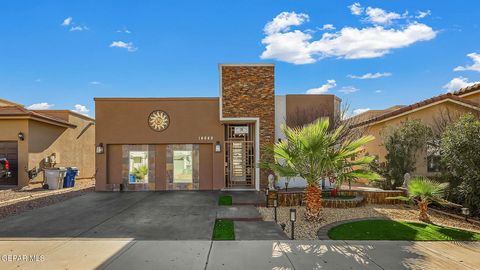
point(59, 54)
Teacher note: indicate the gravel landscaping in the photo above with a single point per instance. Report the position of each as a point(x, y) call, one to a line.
point(308, 230)
point(15, 201)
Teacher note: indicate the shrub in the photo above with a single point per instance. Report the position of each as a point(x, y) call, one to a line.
point(403, 143)
point(460, 147)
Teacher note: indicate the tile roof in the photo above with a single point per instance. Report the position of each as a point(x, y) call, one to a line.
point(448, 96)
point(468, 89)
point(20, 111)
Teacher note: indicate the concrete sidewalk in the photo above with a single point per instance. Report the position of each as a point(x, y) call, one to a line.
point(141, 254)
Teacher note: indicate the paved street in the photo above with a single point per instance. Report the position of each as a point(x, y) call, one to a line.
point(138, 254)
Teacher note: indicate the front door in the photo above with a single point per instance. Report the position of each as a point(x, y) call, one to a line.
point(238, 162)
point(239, 156)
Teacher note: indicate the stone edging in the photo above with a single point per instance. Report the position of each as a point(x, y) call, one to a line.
point(453, 215)
point(322, 233)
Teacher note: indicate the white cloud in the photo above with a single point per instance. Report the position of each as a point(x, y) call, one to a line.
point(283, 21)
point(475, 66)
point(124, 30)
point(322, 89)
point(40, 106)
point(370, 75)
point(81, 109)
point(67, 21)
point(379, 16)
point(328, 27)
point(298, 47)
point(423, 14)
point(125, 45)
point(95, 83)
point(378, 91)
point(356, 9)
point(348, 89)
point(457, 83)
point(360, 110)
point(79, 28)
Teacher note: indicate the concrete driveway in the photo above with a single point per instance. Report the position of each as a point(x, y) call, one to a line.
point(137, 231)
point(133, 215)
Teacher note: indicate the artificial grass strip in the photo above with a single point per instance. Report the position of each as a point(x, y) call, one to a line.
point(225, 200)
point(224, 230)
point(398, 230)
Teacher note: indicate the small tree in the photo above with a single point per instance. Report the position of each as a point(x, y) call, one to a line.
point(403, 144)
point(424, 191)
point(314, 152)
point(460, 148)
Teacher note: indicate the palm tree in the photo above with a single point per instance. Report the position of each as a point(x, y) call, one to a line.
point(424, 191)
point(313, 152)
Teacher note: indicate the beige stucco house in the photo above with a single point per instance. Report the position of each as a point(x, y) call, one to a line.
point(433, 112)
point(200, 143)
point(36, 139)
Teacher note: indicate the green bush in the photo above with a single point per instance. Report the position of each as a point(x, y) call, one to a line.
point(403, 143)
point(460, 148)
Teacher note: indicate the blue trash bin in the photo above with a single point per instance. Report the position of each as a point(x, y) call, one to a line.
point(74, 175)
point(69, 180)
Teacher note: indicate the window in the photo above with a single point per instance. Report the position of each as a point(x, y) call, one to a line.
point(138, 167)
point(182, 166)
point(433, 156)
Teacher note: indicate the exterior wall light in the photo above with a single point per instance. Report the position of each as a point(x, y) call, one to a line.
point(100, 149)
point(218, 147)
point(293, 218)
point(21, 136)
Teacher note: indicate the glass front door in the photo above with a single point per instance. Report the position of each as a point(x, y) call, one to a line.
point(240, 155)
point(238, 161)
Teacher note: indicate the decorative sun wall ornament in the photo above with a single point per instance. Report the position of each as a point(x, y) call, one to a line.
point(158, 120)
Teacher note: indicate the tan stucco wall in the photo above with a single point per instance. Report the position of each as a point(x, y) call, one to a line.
point(71, 147)
point(475, 97)
point(311, 107)
point(124, 121)
point(427, 116)
point(9, 130)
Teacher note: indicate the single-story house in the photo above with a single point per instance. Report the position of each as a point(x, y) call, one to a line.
point(32, 140)
point(434, 112)
point(199, 143)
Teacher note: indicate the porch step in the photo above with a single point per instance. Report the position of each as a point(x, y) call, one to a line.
point(259, 230)
point(239, 212)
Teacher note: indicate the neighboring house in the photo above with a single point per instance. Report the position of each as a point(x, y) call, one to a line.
point(434, 112)
point(37, 139)
point(199, 143)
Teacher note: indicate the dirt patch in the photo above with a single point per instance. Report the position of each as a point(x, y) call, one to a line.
point(15, 201)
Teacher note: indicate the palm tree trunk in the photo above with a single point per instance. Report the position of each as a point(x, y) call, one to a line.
point(313, 201)
point(423, 216)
